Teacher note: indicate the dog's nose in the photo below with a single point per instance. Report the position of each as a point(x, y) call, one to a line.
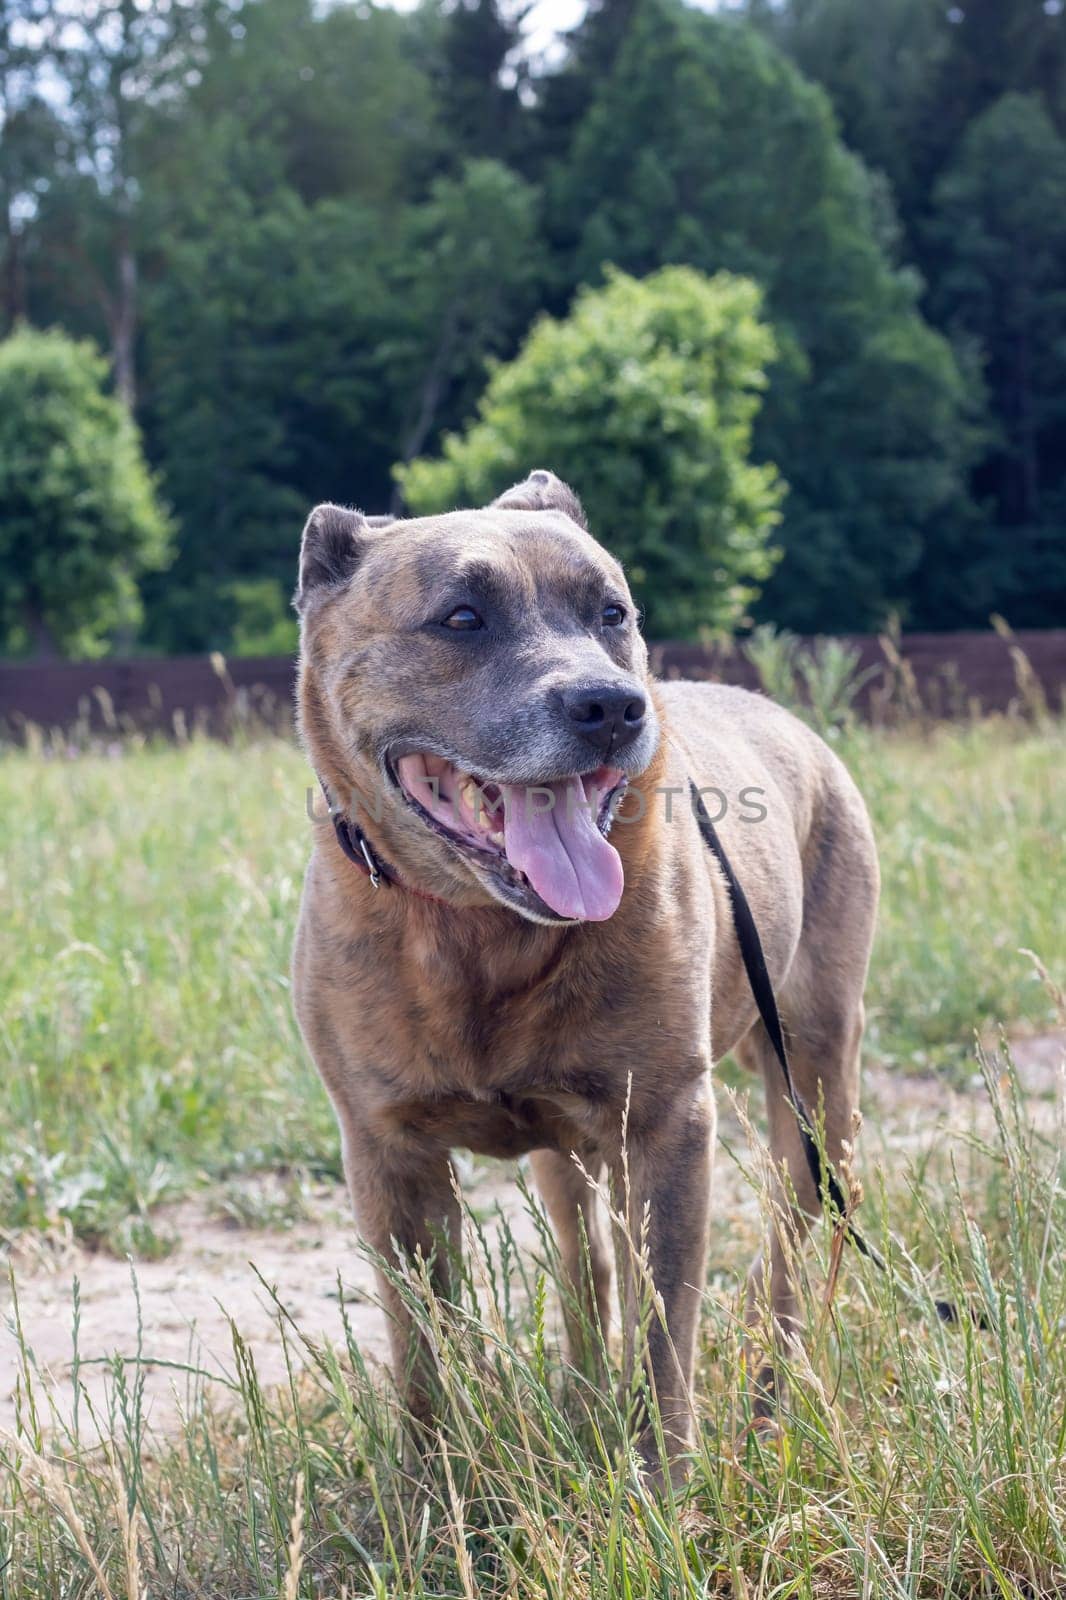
point(608, 715)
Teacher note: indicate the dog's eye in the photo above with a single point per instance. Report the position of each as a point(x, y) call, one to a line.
point(613, 616)
point(463, 619)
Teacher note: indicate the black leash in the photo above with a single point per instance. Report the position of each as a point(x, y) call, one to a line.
point(751, 951)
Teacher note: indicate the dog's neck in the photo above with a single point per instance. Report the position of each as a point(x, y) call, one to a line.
point(475, 946)
point(462, 940)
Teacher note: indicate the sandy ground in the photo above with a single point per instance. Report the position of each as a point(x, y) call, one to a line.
point(216, 1272)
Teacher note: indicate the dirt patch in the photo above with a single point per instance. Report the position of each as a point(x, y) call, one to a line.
point(185, 1303)
point(188, 1299)
point(1040, 1060)
point(217, 1272)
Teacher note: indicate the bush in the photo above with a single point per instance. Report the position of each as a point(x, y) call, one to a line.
point(263, 623)
point(79, 517)
point(643, 399)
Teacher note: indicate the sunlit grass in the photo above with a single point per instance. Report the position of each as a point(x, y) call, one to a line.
point(146, 1031)
point(911, 1459)
point(148, 1045)
point(970, 822)
point(147, 1036)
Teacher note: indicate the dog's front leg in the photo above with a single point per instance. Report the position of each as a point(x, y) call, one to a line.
point(405, 1205)
point(662, 1185)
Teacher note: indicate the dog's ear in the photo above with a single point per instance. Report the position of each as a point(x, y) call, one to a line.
point(333, 540)
point(543, 491)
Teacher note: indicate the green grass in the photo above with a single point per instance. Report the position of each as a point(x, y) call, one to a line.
point(148, 1046)
point(970, 821)
point(147, 1036)
point(911, 1459)
point(146, 1032)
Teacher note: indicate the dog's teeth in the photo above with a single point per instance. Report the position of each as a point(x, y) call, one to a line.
point(496, 837)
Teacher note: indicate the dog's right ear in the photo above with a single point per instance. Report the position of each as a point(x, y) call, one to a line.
point(333, 540)
point(543, 491)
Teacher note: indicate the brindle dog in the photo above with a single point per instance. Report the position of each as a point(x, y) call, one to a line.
point(474, 693)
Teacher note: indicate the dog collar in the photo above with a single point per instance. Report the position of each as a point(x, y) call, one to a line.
point(355, 844)
point(357, 847)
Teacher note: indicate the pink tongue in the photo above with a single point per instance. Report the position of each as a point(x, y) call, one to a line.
point(562, 852)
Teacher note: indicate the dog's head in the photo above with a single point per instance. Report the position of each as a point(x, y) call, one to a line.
point(478, 681)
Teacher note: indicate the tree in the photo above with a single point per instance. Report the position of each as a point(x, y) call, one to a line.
point(266, 350)
point(303, 231)
point(124, 66)
point(704, 145)
point(334, 100)
point(563, 95)
point(643, 398)
point(293, 348)
point(999, 46)
point(468, 279)
point(882, 65)
point(999, 229)
point(79, 518)
point(28, 134)
point(276, 325)
point(908, 77)
point(478, 106)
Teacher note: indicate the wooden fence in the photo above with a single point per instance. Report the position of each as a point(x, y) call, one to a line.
point(948, 674)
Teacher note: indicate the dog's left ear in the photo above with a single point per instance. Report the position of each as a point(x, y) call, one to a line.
point(543, 491)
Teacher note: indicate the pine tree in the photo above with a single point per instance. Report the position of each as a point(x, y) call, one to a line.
point(704, 145)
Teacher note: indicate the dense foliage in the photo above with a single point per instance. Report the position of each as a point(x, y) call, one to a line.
point(962, 109)
point(79, 517)
point(303, 234)
point(645, 396)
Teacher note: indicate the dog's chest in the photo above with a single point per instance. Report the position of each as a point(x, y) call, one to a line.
point(499, 1075)
point(502, 1045)
point(494, 1122)
point(510, 1060)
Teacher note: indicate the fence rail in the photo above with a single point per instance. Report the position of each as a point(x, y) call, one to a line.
point(949, 674)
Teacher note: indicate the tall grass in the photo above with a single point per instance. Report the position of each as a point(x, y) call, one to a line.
point(910, 1458)
point(147, 1037)
point(147, 1045)
point(970, 821)
point(146, 1034)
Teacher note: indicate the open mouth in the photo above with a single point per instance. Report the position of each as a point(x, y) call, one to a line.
point(546, 841)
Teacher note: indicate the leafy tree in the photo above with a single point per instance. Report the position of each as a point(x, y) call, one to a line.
point(124, 64)
point(1000, 229)
point(79, 518)
point(907, 77)
point(264, 623)
point(275, 318)
point(882, 64)
point(477, 80)
point(997, 46)
point(643, 398)
point(292, 347)
point(28, 133)
point(704, 145)
point(563, 96)
point(468, 278)
point(333, 101)
point(266, 353)
point(302, 231)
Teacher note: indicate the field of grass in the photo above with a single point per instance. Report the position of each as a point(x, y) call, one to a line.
point(148, 1049)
